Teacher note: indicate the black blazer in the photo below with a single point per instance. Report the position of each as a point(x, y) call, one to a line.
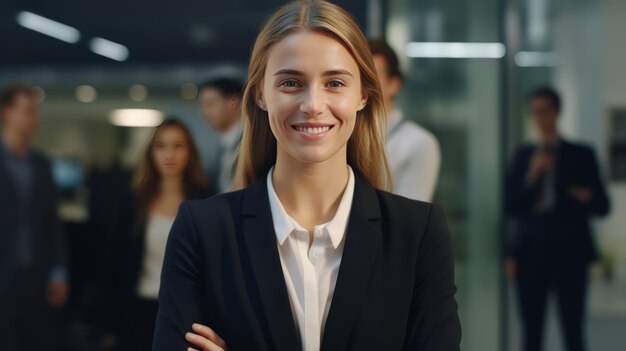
point(563, 232)
point(48, 241)
point(395, 287)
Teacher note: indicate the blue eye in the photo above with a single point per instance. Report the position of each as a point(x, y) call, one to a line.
point(289, 84)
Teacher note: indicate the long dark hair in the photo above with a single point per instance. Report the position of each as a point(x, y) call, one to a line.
point(147, 177)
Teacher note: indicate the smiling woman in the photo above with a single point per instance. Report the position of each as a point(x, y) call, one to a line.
point(306, 46)
point(311, 92)
point(311, 254)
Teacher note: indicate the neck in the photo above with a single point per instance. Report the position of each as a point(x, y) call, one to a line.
point(171, 184)
point(310, 192)
point(549, 139)
point(232, 124)
point(15, 142)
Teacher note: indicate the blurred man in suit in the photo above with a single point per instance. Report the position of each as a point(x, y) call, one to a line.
point(553, 189)
point(32, 262)
point(220, 104)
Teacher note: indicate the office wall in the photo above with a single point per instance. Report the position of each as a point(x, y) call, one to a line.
point(591, 74)
point(458, 99)
point(613, 230)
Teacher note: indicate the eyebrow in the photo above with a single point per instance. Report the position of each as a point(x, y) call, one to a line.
point(293, 72)
point(169, 142)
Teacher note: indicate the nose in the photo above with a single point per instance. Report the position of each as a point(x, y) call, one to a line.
point(170, 153)
point(313, 102)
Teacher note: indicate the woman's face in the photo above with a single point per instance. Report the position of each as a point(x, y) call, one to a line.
point(170, 152)
point(312, 92)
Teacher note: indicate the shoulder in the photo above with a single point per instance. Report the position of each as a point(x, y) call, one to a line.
point(42, 165)
point(206, 222)
point(397, 203)
point(411, 226)
point(577, 147)
point(40, 159)
point(527, 147)
point(524, 150)
point(217, 205)
point(411, 143)
point(408, 213)
point(579, 154)
point(200, 193)
point(418, 134)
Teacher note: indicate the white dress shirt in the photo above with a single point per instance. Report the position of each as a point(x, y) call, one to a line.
point(310, 269)
point(414, 158)
point(157, 230)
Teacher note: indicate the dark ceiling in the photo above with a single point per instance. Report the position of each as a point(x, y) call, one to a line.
point(155, 31)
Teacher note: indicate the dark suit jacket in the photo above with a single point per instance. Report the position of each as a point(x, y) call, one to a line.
point(48, 244)
point(564, 231)
point(395, 287)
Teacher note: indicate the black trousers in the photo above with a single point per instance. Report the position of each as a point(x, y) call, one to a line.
point(568, 283)
point(25, 317)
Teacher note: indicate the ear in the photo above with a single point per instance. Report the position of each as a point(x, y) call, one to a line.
point(260, 100)
point(234, 100)
point(363, 102)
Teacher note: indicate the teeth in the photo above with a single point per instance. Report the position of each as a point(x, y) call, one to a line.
point(317, 130)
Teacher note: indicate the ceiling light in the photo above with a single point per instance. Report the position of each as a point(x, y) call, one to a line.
point(40, 94)
point(536, 59)
point(48, 27)
point(138, 92)
point(188, 91)
point(110, 49)
point(86, 93)
point(455, 50)
point(136, 117)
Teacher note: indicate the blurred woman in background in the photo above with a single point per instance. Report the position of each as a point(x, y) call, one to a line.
point(169, 173)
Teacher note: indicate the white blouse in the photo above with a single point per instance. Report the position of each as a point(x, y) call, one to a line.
point(310, 269)
point(157, 230)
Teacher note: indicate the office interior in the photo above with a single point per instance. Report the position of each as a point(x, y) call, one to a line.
point(468, 68)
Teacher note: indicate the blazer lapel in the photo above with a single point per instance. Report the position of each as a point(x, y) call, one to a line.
point(260, 238)
point(360, 251)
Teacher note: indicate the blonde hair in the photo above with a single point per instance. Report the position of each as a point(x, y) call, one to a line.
point(366, 149)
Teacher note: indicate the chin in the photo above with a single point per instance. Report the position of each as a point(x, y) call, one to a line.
point(314, 155)
point(171, 172)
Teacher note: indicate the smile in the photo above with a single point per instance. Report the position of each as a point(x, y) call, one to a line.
point(312, 130)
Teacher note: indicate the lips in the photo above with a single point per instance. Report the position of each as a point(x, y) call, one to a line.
point(309, 130)
point(312, 128)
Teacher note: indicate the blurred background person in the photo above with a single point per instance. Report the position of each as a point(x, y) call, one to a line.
point(32, 252)
point(413, 152)
point(220, 104)
point(169, 173)
point(554, 188)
